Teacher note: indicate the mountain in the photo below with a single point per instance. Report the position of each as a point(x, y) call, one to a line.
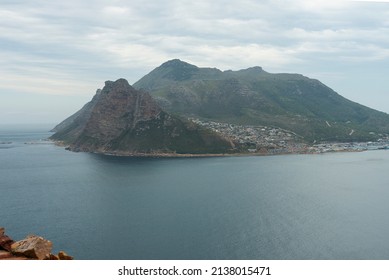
point(255, 97)
point(121, 120)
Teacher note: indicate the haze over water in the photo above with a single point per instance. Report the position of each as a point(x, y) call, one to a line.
point(331, 206)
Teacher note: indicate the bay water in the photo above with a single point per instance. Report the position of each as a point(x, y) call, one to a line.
point(329, 206)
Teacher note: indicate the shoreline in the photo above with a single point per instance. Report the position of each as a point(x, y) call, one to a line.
point(309, 151)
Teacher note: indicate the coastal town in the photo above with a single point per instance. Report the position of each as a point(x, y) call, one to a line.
point(260, 140)
point(272, 140)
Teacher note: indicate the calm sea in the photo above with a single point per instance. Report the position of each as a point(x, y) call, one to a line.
point(331, 206)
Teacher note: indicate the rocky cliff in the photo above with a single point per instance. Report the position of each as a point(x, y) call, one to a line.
point(121, 120)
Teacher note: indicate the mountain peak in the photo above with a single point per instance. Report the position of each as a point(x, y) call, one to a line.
point(177, 63)
point(124, 121)
point(120, 86)
point(255, 69)
point(118, 83)
point(177, 70)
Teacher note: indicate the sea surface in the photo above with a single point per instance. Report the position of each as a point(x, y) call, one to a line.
point(329, 206)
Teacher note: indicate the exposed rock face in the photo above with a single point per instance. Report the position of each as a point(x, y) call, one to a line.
point(120, 107)
point(63, 256)
point(5, 241)
point(5, 255)
point(124, 121)
point(34, 247)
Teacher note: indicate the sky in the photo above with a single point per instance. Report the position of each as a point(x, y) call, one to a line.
point(55, 54)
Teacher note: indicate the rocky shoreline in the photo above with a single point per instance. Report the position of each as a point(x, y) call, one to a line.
point(32, 247)
point(304, 149)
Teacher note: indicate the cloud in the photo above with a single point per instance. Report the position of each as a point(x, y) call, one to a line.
point(54, 44)
point(374, 1)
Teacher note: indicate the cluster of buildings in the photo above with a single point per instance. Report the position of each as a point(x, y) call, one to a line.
point(257, 139)
point(382, 144)
point(272, 140)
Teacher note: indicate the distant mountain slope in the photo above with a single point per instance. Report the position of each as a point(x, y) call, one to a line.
point(123, 121)
point(71, 127)
point(253, 96)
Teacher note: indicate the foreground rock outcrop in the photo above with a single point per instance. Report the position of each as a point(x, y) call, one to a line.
point(31, 248)
point(34, 247)
point(121, 120)
point(5, 241)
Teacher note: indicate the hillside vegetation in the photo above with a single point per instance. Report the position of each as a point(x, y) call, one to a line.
point(256, 97)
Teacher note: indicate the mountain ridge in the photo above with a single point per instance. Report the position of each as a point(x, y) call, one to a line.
point(255, 97)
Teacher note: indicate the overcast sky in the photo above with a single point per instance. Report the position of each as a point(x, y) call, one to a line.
point(55, 54)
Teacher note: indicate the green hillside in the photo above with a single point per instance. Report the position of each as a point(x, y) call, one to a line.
point(253, 96)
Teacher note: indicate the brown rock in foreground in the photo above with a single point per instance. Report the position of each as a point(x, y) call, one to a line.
point(52, 257)
point(33, 246)
point(5, 241)
point(5, 255)
point(63, 256)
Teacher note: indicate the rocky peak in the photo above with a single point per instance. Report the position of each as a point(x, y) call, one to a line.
point(120, 85)
point(123, 120)
point(119, 107)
